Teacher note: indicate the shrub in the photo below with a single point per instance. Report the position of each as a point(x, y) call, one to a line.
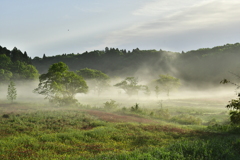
point(136, 108)
point(64, 101)
point(162, 114)
point(110, 104)
point(184, 119)
point(212, 122)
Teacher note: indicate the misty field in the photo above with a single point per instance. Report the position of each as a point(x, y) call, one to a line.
point(196, 127)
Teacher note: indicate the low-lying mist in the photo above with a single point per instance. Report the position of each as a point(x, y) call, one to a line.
point(182, 96)
point(24, 91)
point(215, 96)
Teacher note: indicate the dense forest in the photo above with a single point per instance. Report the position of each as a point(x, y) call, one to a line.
point(202, 67)
point(15, 65)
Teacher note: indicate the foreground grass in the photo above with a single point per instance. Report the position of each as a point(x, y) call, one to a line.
point(71, 133)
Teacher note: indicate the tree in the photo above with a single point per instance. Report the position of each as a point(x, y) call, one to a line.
point(234, 104)
point(168, 83)
point(234, 107)
point(5, 75)
point(44, 56)
point(147, 91)
point(22, 70)
point(5, 62)
point(12, 92)
point(60, 85)
point(130, 86)
point(157, 91)
point(98, 81)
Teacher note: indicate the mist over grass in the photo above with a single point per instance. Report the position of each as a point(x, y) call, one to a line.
point(113, 125)
point(220, 94)
point(24, 91)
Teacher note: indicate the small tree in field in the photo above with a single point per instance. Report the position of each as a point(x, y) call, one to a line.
point(168, 83)
point(130, 86)
point(12, 92)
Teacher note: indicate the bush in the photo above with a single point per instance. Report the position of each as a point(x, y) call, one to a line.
point(64, 101)
point(184, 119)
point(235, 117)
point(161, 113)
point(136, 108)
point(212, 122)
point(110, 105)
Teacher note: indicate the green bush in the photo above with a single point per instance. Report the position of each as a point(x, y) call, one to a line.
point(235, 117)
point(110, 105)
point(185, 119)
point(212, 122)
point(136, 108)
point(64, 101)
point(161, 113)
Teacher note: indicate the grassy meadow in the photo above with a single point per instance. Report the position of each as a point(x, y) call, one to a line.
point(122, 129)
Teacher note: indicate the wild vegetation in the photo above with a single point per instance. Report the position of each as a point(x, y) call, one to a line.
point(110, 131)
point(136, 105)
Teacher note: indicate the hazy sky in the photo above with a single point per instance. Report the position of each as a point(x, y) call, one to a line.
point(75, 26)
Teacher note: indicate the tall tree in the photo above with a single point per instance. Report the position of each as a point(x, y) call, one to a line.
point(60, 85)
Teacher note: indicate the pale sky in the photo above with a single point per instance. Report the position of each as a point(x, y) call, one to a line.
point(55, 27)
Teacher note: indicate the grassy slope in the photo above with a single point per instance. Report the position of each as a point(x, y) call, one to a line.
point(36, 131)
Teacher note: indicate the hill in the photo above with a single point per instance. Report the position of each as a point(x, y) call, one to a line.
point(200, 67)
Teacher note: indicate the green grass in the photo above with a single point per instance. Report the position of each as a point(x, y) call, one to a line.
point(39, 131)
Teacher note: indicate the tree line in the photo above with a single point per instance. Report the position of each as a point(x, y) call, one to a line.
point(59, 85)
point(197, 67)
point(15, 65)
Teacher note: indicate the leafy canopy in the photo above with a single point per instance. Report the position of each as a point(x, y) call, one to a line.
point(130, 86)
point(234, 104)
point(60, 84)
point(87, 73)
point(5, 75)
point(168, 83)
point(16, 65)
point(98, 81)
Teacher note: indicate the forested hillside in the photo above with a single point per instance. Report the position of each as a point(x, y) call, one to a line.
point(112, 61)
point(197, 67)
point(15, 65)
